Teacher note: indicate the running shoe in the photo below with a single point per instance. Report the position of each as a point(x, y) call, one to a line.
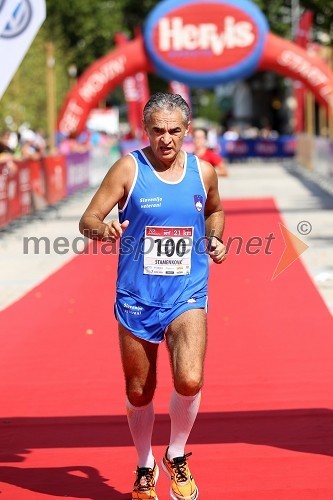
point(145, 483)
point(183, 486)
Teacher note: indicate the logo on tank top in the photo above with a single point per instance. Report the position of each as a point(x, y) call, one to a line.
point(198, 202)
point(153, 202)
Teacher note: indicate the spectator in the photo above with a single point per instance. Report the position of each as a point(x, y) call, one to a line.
point(40, 141)
point(266, 131)
point(6, 153)
point(30, 149)
point(74, 143)
point(204, 153)
point(231, 134)
point(5, 150)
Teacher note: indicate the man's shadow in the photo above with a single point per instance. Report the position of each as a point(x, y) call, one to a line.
point(73, 482)
point(307, 430)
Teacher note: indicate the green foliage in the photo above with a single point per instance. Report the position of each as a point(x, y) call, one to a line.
point(86, 27)
point(136, 12)
point(279, 15)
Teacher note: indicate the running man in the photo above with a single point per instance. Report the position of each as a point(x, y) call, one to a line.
point(204, 153)
point(170, 217)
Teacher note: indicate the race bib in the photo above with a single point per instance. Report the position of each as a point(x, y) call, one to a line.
point(167, 250)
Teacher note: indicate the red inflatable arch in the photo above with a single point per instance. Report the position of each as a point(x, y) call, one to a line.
point(279, 55)
point(98, 81)
point(288, 59)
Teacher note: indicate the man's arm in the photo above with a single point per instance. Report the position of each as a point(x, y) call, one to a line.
point(114, 189)
point(214, 214)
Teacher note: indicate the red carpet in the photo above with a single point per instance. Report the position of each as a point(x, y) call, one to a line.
point(265, 427)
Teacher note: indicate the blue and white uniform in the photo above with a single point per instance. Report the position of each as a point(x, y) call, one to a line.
point(163, 265)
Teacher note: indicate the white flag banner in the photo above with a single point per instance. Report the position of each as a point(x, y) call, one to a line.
point(20, 21)
point(6, 9)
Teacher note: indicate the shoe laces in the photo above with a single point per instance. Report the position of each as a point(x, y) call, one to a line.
point(145, 478)
point(179, 466)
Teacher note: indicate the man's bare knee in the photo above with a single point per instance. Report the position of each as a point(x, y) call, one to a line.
point(139, 395)
point(189, 385)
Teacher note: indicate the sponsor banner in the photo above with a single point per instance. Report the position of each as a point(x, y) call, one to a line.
point(31, 185)
point(288, 146)
point(14, 209)
point(24, 187)
point(136, 92)
point(238, 148)
point(142, 85)
point(38, 188)
point(54, 168)
point(4, 216)
point(21, 27)
point(266, 148)
point(283, 147)
point(131, 93)
point(15, 192)
point(205, 46)
point(78, 171)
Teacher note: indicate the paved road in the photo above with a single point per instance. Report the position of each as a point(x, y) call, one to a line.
point(298, 199)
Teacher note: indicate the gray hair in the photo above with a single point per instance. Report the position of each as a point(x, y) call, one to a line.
point(170, 102)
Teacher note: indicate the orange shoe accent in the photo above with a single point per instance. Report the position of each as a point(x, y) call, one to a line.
point(145, 483)
point(183, 486)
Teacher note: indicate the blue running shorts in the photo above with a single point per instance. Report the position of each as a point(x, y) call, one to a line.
point(150, 322)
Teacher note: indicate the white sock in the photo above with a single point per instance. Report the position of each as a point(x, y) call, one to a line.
point(141, 421)
point(183, 412)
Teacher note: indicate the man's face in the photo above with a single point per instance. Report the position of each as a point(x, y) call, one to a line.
point(199, 139)
point(166, 132)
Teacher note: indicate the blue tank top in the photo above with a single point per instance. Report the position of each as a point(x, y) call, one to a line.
point(162, 258)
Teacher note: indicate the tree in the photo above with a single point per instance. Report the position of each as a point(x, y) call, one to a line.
point(87, 28)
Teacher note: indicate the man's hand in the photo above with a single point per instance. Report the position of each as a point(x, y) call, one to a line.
point(114, 230)
point(216, 250)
